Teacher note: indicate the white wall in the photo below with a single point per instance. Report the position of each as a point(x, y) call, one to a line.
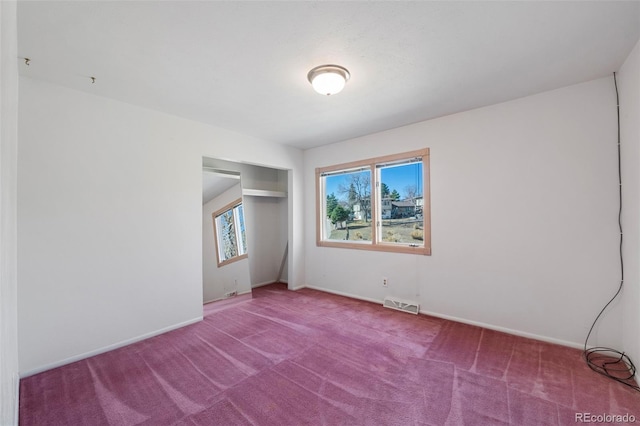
point(267, 224)
point(231, 277)
point(110, 220)
point(629, 88)
point(524, 217)
point(8, 243)
point(267, 218)
point(267, 233)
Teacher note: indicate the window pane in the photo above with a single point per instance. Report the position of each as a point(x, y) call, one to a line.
point(400, 219)
point(242, 237)
point(229, 229)
point(347, 209)
point(401, 210)
point(227, 236)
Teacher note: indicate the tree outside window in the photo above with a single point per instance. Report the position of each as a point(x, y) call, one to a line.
point(376, 204)
point(229, 232)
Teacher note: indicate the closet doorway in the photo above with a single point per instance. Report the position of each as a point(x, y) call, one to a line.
point(263, 194)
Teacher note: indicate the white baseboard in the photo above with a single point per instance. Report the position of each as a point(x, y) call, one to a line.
point(265, 283)
point(261, 284)
point(505, 330)
point(108, 348)
point(341, 293)
point(225, 298)
point(300, 287)
point(460, 320)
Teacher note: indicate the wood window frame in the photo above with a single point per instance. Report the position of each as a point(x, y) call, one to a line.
point(232, 205)
point(374, 244)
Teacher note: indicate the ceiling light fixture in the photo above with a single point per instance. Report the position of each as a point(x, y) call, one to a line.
point(328, 79)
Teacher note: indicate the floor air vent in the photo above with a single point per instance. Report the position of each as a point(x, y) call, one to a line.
point(401, 305)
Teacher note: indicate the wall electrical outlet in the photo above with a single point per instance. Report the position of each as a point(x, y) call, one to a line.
point(385, 282)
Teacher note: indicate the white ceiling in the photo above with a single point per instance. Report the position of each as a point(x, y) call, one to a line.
point(214, 184)
point(243, 65)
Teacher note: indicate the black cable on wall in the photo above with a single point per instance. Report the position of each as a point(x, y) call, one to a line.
point(607, 361)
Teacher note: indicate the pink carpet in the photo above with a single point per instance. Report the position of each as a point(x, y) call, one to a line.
point(307, 357)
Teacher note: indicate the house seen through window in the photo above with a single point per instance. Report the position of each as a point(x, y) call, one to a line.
point(229, 232)
point(377, 204)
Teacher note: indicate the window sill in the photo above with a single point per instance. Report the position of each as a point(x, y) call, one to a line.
point(380, 247)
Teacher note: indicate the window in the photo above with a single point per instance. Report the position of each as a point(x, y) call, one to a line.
point(229, 232)
point(377, 204)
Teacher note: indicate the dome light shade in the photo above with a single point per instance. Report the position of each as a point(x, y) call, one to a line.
point(328, 79)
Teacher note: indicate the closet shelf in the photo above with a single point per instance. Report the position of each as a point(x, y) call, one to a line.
point(263, 193)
